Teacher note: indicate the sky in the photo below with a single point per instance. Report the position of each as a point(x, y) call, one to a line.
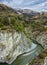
point(37, 5)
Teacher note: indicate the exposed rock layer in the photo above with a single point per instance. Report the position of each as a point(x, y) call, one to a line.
point(12, 44)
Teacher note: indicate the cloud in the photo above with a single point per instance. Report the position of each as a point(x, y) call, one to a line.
point(41, 6)
point(38, 5)
point(34, 5)
point(13, 3)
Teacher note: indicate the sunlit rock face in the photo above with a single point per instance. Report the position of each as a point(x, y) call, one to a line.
point(5, 45)
point(42, 39)
point(45, 61)
point(12, 44)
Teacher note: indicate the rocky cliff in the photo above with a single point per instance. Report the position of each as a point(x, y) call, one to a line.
point(13, 44)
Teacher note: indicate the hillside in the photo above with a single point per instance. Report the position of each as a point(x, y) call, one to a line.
point(9, 17)
point(5, 9)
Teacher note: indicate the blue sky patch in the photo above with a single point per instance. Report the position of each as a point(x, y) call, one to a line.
point(38, 5)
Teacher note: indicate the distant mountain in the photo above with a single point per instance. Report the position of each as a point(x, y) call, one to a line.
point(27, 11)
point(6, 9)
point(19, 10)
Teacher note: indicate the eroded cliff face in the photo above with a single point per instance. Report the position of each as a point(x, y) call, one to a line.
point(13, 44)
point(45, 61)
point(41, 37)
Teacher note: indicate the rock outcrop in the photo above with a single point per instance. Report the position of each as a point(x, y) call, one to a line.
point(45, 61)
point(12, 44)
